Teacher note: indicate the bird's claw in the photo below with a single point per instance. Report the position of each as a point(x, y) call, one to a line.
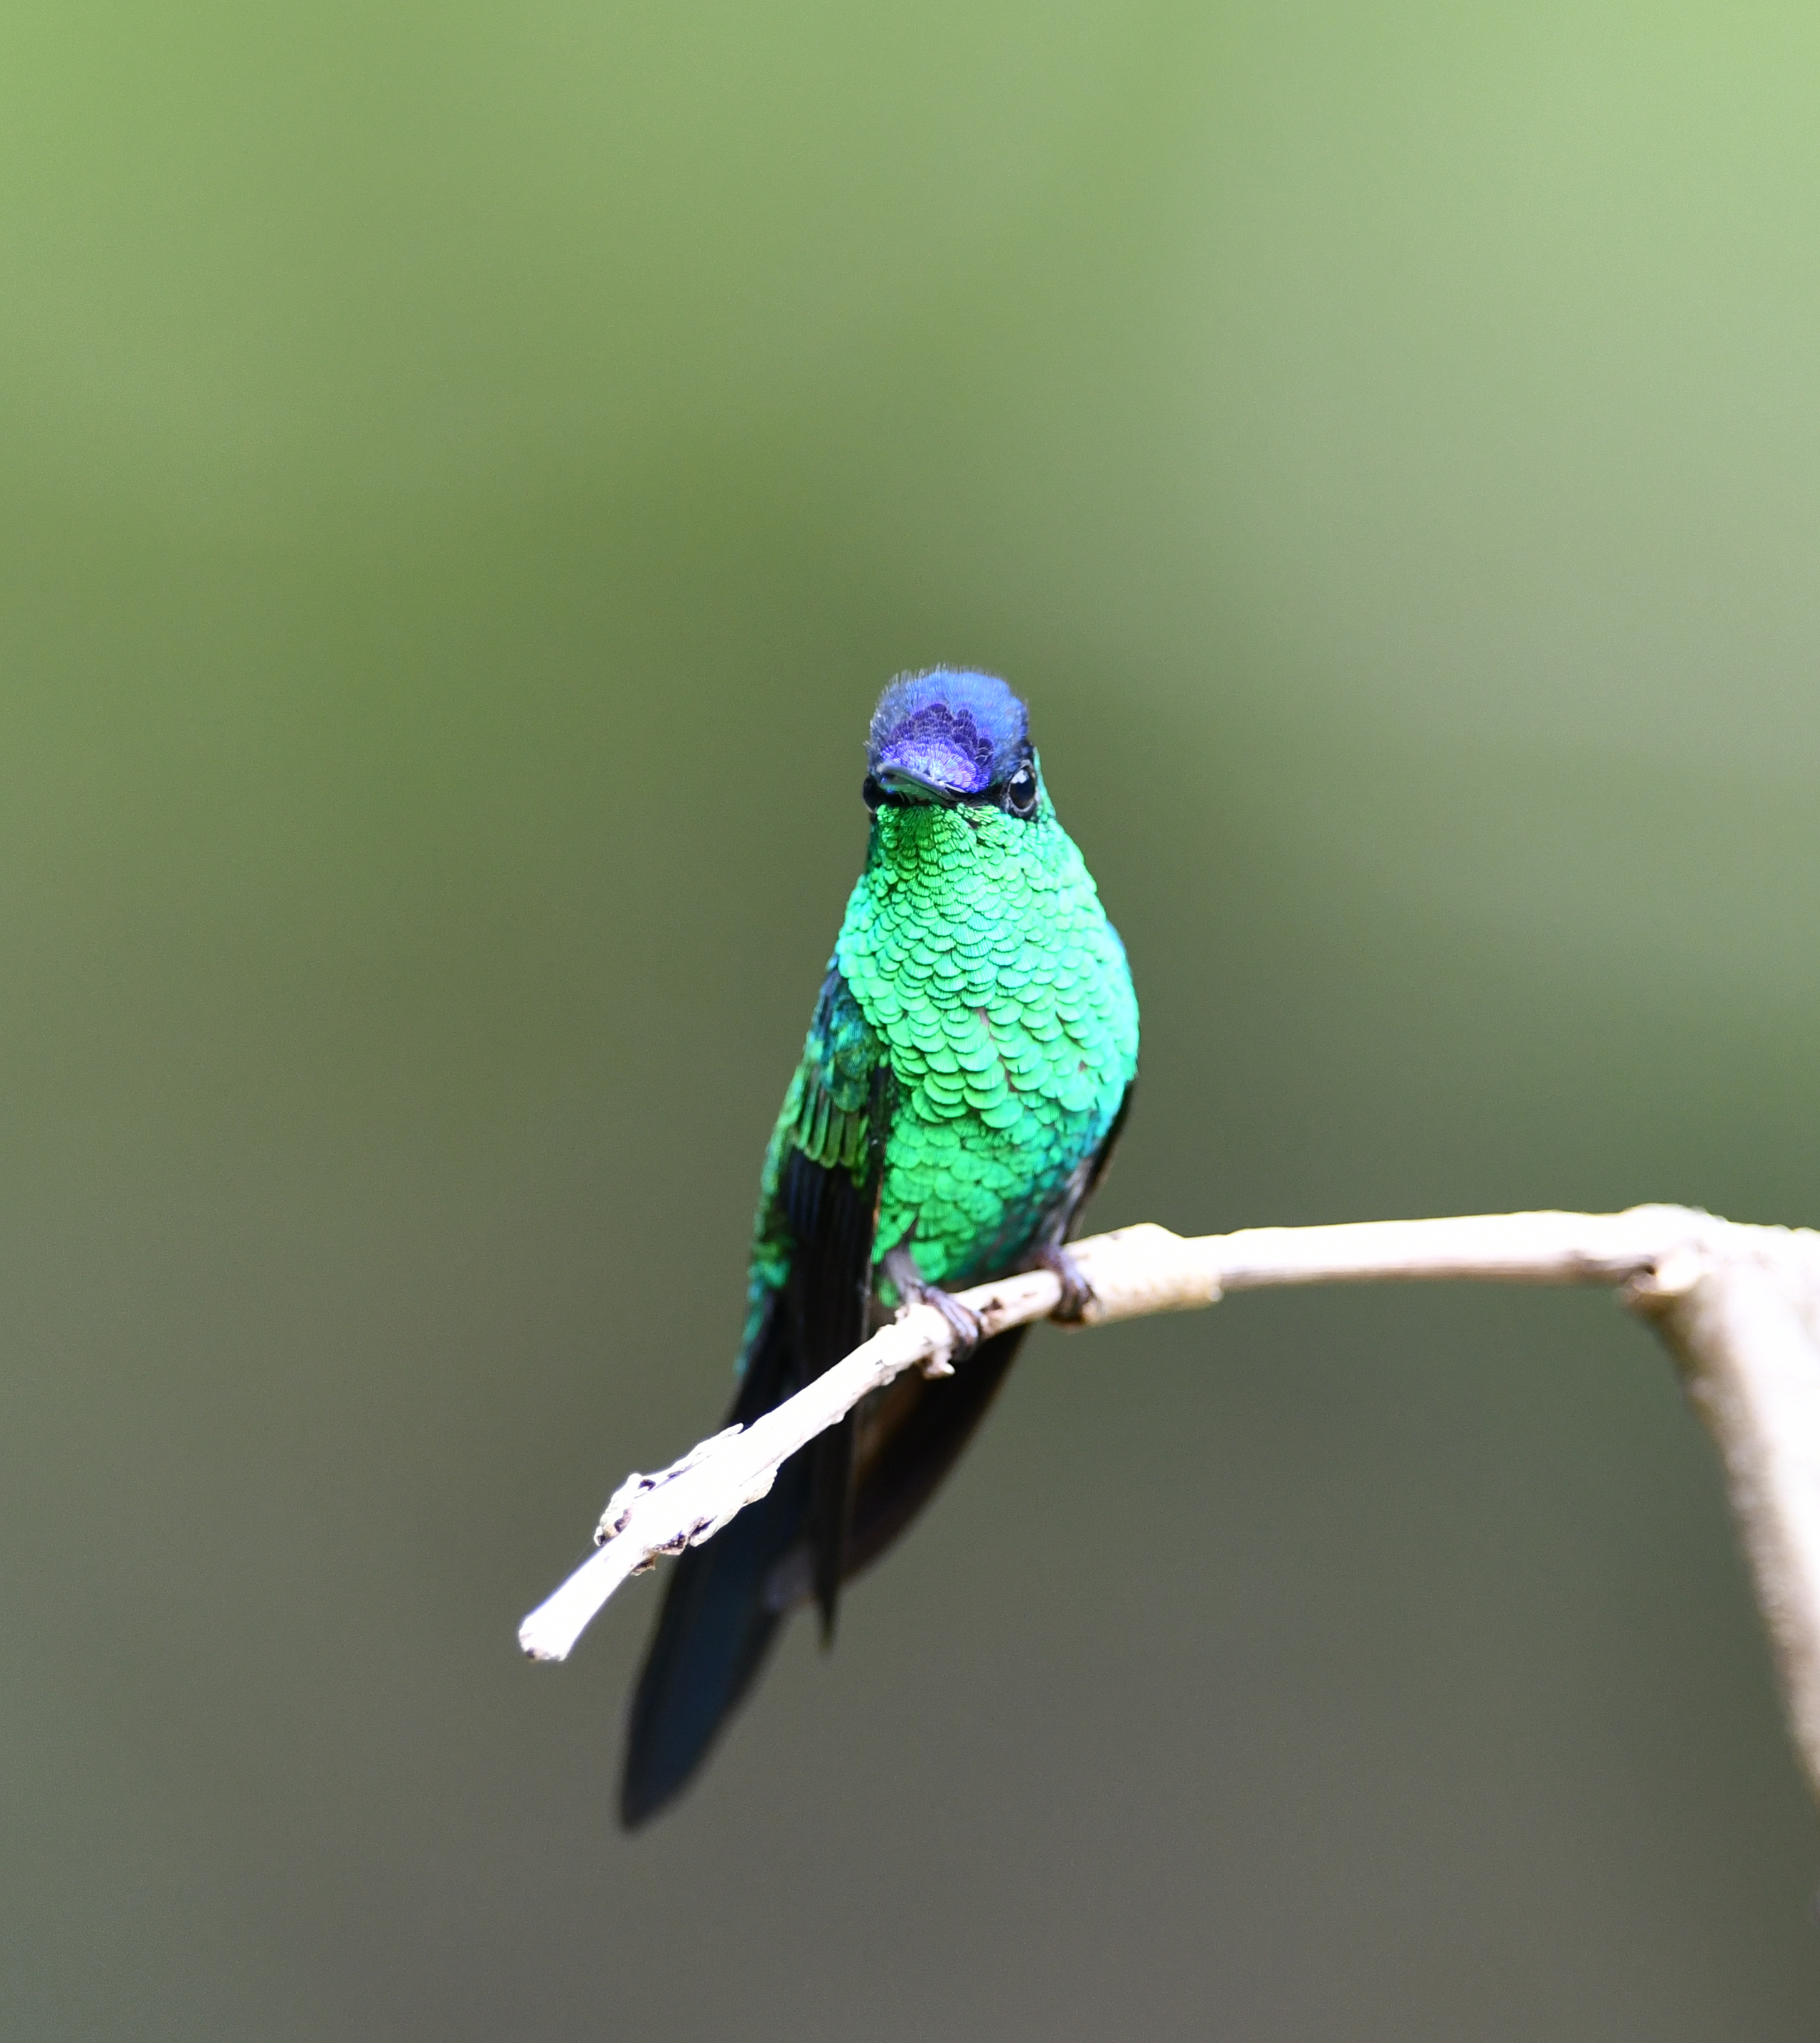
point(963, 1322)
point(1077, 1293)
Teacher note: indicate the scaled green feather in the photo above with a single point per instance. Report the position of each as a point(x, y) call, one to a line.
point(976, 957)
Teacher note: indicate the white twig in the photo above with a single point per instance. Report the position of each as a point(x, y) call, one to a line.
point(1739, 1306)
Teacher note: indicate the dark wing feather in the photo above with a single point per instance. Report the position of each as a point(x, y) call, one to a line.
point(716, 1624)
point(725, 1599)
point(831, 1221)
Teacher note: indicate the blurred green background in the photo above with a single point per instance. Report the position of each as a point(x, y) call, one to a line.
point(468, 469)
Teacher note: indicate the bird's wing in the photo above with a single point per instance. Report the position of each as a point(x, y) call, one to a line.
point(812, 1277)
point(829, 1199)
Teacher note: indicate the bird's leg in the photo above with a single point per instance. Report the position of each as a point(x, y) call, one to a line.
point(913, 1289)
point(1077, 1293)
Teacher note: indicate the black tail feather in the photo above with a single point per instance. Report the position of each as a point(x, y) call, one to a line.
point(834, 1507)
point(724, 1600)
point(919, 1443)
point(717, 1625)
point(830, 1512)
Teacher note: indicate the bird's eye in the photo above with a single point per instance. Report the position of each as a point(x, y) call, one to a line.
point(872, 794)
point(1020, 792)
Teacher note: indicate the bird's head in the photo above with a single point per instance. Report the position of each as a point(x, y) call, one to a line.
point(951, 738)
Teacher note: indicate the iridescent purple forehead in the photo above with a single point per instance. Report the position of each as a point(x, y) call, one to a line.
point(949, 729)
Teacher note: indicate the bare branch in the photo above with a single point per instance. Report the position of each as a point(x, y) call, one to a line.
point(1739, 1307)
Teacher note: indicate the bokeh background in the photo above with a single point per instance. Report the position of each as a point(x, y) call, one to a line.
point(468, 468)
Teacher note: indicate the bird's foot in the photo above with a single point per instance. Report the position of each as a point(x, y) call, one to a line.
point(1077, 1293)
point(914, 1289)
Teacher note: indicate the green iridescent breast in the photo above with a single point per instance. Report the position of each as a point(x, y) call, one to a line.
point(975, 947)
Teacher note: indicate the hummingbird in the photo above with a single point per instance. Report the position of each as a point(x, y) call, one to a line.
point(966, 1073)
